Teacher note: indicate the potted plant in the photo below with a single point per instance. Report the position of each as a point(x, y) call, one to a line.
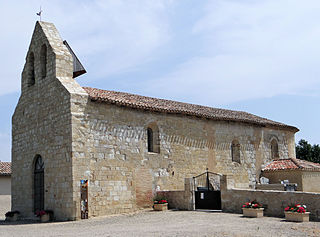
point(160, 203)
point(12, 215)
point(45, 215)
point(252, 209)
point(296, 212)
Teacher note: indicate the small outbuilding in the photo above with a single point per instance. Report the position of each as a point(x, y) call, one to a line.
point(5, 178)
point(304, 173)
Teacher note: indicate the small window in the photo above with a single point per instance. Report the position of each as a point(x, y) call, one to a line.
point(235, 151)
point(31, 74)
point(153, 139)
point(274, 149)
point(150, 140)
point(43, 61)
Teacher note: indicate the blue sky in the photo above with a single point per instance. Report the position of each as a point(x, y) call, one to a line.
point(256, 56)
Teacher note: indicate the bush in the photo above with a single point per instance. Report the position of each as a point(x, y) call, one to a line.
point(11, 213)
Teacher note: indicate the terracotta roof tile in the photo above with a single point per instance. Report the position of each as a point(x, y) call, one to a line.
point(307, 164)
point(169, 106)
point(5, 168)
point(291, 164)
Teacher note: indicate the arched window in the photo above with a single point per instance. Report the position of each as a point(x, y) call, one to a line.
point(43, 61)
point(31, 74)
point(235, 151)
point(274, 149)
point(38, 184)
point(150, 139)
point(153, 138)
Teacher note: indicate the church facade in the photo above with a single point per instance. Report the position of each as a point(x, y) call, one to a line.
point(76, 148)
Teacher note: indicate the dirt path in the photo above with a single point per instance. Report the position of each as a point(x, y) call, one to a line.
point(169, 223)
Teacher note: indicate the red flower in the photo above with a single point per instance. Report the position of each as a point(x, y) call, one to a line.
point(40, 213)
point(287, 209)
point(301, 210)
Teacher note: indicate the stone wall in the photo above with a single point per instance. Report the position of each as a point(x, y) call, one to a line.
point(294, 176)
point(274, 201)
point(110, 150)
point(280, 187)
point(311, 181)
point(41, 125)
point(307, 180)
point(5, 185)
point(5, 206)
point(182, 199)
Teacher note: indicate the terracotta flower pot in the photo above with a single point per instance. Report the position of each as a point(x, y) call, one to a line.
point(12, 218)
point(296, 216)
point(45, 218)
point(253, 212)
point(160, 207)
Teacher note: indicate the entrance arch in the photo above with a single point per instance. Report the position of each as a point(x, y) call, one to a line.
point(38, 184)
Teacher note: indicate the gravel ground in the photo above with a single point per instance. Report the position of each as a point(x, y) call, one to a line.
point(5, 205)
point(168, 223)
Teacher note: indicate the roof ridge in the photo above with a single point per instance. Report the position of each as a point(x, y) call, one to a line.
point(280, 159)
point(294, 160)
point(170, 106)
point(180, 102)
point(291, 164)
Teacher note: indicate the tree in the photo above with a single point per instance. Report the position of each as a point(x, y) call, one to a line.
point(316, 153)
point(306, 151)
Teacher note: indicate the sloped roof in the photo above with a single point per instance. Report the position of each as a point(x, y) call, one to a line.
point(291, 164)
point(174, 107)
point(5, 168)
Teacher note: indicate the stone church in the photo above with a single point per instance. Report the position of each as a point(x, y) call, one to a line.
point(78, 148)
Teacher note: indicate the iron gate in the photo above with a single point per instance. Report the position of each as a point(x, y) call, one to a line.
point(207, 191)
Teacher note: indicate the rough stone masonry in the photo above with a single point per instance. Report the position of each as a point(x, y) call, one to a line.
point(126, 146)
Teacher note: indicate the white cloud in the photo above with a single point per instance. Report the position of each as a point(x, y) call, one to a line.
point(250, 50)
point(109, 37)
point(119, 35)
point(238, 49)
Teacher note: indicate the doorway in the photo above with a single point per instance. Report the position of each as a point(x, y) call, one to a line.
point(38, 183)
point(84, 199)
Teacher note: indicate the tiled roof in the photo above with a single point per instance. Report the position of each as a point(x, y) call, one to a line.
point(5, 168)
point(291, 164)
point(169, 106)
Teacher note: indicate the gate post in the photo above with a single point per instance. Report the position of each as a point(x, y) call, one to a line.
point(226, 183)
point(189, 194)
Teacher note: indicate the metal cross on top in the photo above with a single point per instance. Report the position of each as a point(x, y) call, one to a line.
point(39, 13)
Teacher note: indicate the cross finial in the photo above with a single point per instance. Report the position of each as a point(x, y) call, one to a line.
point(39, 13)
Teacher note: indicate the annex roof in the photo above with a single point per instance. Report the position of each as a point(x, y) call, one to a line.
point(174, 107)
point(291, 164)
point(5, 168)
